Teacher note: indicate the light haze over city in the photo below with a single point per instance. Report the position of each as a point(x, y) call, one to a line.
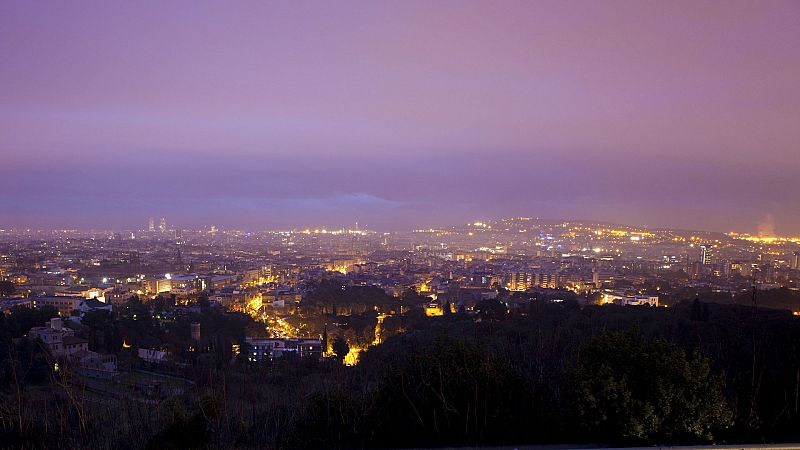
point(278, 115)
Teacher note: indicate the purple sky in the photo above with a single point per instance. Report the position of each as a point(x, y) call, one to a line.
point(397, 114)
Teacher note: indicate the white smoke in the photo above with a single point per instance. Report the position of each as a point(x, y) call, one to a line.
point(766, 226)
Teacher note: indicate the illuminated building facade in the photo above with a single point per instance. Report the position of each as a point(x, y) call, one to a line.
point(706, 255)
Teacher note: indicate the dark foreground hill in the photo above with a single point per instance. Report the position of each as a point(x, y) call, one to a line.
point(554, 373)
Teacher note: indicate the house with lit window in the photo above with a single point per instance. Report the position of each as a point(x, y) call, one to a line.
point(63, 344)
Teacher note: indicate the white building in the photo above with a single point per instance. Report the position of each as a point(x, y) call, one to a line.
point(63, 343)
point(152, 355)
point(261, 348)
point(59, 340)
point(629, 300)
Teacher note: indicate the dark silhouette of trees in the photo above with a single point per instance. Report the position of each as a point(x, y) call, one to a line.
point(332, 297)
point(697, 310)
point(491, 309)
point(636, 391)
point(99, 328)
point(6, 288)
point(340, 348)
point(187, 432)
point(22, 319)
point(548, 372)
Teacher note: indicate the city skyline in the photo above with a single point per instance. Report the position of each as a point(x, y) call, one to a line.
point(679, 115)
point(155, 224)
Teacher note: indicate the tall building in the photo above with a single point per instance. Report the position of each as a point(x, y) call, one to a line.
point(520, 281)
point(162, 227)
point(151, 225)
point(706, 254)
point(547, 280)
point(796, 261)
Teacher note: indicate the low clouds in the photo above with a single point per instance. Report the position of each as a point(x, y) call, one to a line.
point(394, 192)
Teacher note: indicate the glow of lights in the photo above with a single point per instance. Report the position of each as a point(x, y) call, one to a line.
point(765, 239)
point(351, 358)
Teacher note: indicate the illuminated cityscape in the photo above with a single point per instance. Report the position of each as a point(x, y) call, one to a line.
point(453, 224)
point(332, 294)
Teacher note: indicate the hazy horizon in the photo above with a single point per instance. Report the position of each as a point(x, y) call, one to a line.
point(765, 228)
point(400, 115)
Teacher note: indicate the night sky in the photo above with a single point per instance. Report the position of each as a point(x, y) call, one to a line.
point(263, 115)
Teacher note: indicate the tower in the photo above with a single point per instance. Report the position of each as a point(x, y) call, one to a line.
point(162, 227)
point(151, 225)
point(325, 340)
point(705, 254)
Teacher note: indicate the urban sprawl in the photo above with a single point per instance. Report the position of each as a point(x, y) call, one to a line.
point(324, 293)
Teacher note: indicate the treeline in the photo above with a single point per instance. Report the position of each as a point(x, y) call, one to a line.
point(781, 298)
point(548, 373)
point(562, 374)
point(351, 312)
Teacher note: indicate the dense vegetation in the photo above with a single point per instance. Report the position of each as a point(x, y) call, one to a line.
point(547, 373)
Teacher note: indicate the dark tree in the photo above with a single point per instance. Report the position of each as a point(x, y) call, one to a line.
point(340, 348)
point(22, 319)
point(706, 314)
point(697, 311)
point(491, 308)
point(7, 288)
point(98, 329)
point(325, 339)
point(631, 390)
